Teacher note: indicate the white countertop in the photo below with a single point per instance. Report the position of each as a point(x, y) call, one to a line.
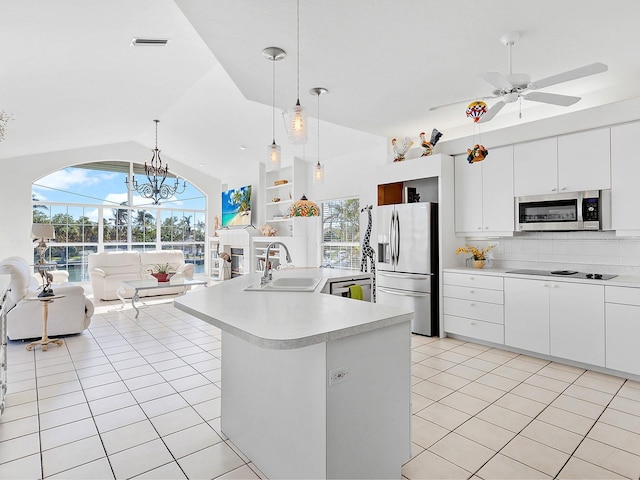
point(619, 281)
point(285, 320)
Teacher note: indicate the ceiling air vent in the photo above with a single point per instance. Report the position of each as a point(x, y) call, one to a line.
point(140, 42)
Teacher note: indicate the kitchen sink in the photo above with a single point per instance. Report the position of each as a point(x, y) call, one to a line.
point(287, 284)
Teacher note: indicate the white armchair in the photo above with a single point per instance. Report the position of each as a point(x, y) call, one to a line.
point(71, 314)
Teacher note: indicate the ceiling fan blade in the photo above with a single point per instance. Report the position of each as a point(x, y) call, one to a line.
point(492, 112)
point(437, 107)
point(552, 98)
point(570, 75)
point(497, 80)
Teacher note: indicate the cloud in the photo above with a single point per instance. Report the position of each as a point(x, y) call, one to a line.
point(74, 178)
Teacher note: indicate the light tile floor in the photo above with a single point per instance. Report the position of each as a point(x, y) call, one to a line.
point(141, 399)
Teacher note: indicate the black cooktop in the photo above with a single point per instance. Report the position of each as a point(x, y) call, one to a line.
point(565, 274)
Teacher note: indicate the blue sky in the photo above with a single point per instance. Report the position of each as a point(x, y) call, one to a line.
point(93, 187)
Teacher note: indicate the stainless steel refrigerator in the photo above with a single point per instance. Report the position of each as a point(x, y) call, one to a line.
point(407, 267)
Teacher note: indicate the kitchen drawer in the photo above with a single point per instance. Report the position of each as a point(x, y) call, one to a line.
point(624, 295)
point(488, 312)
point(471, 280)
point(474, 293)
point(490, 332)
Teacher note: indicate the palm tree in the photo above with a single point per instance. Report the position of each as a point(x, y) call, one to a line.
point(187, 221)
point(40, 212)
point(120, 215)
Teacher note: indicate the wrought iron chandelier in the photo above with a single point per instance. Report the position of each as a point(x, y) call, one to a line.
point(155, 189)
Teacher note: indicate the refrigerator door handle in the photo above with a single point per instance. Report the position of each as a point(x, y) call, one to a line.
point(392, 238)
point(401, 293)
point(412, 276)
point(397, 237)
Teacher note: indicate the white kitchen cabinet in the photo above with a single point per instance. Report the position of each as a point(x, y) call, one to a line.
point(535, 167)
point(622, 310)
point(577, 322)
point(526, 314)
point(473, 306)
point(625, 172)
point(468, 195)
point(584, 161)
point(484, 194)
point(569, 163)
point(562, 319)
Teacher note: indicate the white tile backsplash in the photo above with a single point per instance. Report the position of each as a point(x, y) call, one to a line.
point(600, 252)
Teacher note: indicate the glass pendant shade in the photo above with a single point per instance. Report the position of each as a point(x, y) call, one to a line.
point(318, 173)
point(297, 124)
point(274, 155)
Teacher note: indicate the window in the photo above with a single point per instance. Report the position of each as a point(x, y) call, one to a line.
point(341, 234)
point(92, 211)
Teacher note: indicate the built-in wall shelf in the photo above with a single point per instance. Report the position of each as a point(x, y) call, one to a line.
point(281, 202)
point(276, 213)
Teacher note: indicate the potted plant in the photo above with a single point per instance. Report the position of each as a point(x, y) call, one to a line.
point(478, 254)
point(162, 272)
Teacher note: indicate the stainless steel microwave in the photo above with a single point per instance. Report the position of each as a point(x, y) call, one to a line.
point(587, 210)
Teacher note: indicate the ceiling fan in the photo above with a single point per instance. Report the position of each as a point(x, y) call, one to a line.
point(515, 85)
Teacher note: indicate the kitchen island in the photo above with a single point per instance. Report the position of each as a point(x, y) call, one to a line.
point(314, 385)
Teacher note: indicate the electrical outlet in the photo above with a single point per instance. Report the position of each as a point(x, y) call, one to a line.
point(338, 375)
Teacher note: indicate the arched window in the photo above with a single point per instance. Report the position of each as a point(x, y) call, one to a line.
point(92, 211)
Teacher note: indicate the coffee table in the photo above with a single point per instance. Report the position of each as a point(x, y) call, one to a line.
point(152, 284)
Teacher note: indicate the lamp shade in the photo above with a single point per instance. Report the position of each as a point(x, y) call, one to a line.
point(274, 156)
point(318, 173)
point(43, 230)
point(304, 208)
point(297, 124)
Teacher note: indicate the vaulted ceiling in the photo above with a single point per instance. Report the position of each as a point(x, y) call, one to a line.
point(70, 78)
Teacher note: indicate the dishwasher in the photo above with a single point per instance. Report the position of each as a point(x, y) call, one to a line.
point(341, 287)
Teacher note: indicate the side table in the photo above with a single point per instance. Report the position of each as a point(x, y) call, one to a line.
point(45, 340)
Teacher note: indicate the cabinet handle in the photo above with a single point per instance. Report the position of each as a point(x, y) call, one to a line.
point(472, 323)
point(472, 304)
point(472, 291)
point(479, 228)
point(545, 285)
point(554, 189)
point(563, 188)
point(554, 285)
point(486, 228)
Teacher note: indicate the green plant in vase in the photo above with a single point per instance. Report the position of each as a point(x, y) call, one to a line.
point(162, 272)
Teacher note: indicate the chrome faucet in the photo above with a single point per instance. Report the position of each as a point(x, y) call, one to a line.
point(267, 271)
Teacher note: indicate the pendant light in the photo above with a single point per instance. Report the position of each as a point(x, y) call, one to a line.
point(274, 54)
point(156, 189)
point(318, 170)
point(297, 115)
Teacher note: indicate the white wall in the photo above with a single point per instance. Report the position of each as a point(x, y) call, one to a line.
point(15, 198)
point(597, 252)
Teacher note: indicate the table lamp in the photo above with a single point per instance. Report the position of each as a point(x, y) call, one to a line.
point(43, 231)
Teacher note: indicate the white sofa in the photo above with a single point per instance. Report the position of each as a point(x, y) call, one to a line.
point(71, 314)
point(107, 271)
